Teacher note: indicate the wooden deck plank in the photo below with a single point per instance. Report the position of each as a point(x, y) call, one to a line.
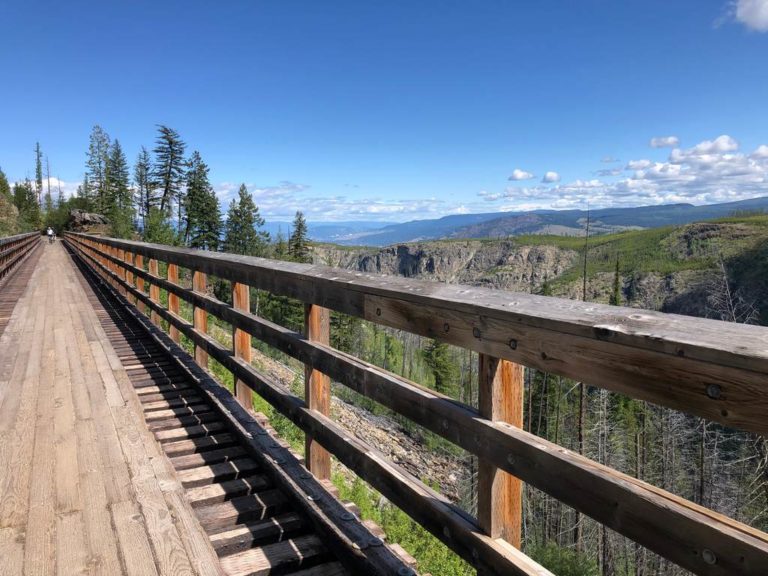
point(84, 486)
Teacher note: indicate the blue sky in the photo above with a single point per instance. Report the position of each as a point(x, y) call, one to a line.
point(395, 110)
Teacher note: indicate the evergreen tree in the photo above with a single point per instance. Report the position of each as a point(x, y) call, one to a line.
point(241, 231)
point(119, 197)
point(9, 214)
point(203, 218)
point(281, 248)
point(145, 191)
point(298, 243)
point(25, 200)
point(96, 168)
point(38, 174)
point(168, 172)
point(5, 188)
point(48, 202)
point(615, 299)
point(84, 192)
point(437, 358)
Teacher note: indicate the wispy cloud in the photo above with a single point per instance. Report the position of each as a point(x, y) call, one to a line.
point(280, 202)
point(664, 141)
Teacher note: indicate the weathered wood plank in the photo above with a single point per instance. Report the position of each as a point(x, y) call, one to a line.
point(500, 495)
point(200, 285)
point(241, 340)
point(317, 388)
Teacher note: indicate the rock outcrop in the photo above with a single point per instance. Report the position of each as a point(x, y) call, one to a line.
point(495, 264)
point(88, 222)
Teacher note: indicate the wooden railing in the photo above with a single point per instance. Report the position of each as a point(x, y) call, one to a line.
point(712, 369)
point(13, 249)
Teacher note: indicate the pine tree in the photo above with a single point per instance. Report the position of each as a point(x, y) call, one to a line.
point(5, 188)
point(84, 192)
point(38, 174)
point(119, 197)
point(437, 357)
point(48, 202)
point(242, 234)
point(281, 248)
point(615, 299)
point(203, 218)
point(168, 171)
point(25, 200)
point(298, 243)
point(145, 191)
point(96, 169)
point(9, 214)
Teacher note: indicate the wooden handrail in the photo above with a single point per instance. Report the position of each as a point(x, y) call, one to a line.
point(687, 534)
point(13, 249)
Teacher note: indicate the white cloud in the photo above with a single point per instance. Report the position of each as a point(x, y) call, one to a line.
point(68, 188)
point(280, 203)
point(551, 177)
point(720, 144)
point(664, 141)
point(753, 14)
point(761, 152)
point(712, 171)
point(518, 174)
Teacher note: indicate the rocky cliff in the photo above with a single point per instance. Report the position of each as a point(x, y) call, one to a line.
point(496, 264)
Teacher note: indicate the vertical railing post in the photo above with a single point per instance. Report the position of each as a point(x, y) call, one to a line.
point(499, 505)
point(317, 388)
point(200, 316)
point(241, 300)
point(139, 263)
point(129, 277)
point(121, 272)
point(173, 300)
point(154, 290)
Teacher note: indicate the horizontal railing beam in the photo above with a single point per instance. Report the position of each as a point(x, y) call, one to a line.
point(716, 370)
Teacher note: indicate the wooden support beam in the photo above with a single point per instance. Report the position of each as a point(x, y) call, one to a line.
point(317, 388)
point(241, 300)
point(499, 494)
point(154, 289)
point(139, 263)
point(130, 277)
point(200, 316)
point(173, 300)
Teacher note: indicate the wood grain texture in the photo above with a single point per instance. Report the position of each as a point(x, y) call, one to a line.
point(499, 494)
point(200, 285)
point(154, 289)
point(317, 388)
point(241, 300)
point(173, 299)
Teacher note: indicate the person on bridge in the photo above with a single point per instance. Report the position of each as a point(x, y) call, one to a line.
point(51, 235)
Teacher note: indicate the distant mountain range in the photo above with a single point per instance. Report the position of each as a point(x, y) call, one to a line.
point(504, 224)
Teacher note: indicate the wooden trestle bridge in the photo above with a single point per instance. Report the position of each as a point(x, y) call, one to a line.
point(120, 454)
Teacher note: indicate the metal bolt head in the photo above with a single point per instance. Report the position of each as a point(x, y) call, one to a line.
point(714, 391)
point(378, 311)
point(513, 344)
point(476, 332)
point(375, 542)
point(708, 556)
point(446, 327)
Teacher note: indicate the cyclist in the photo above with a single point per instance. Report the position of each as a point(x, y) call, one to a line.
point(51, 235)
